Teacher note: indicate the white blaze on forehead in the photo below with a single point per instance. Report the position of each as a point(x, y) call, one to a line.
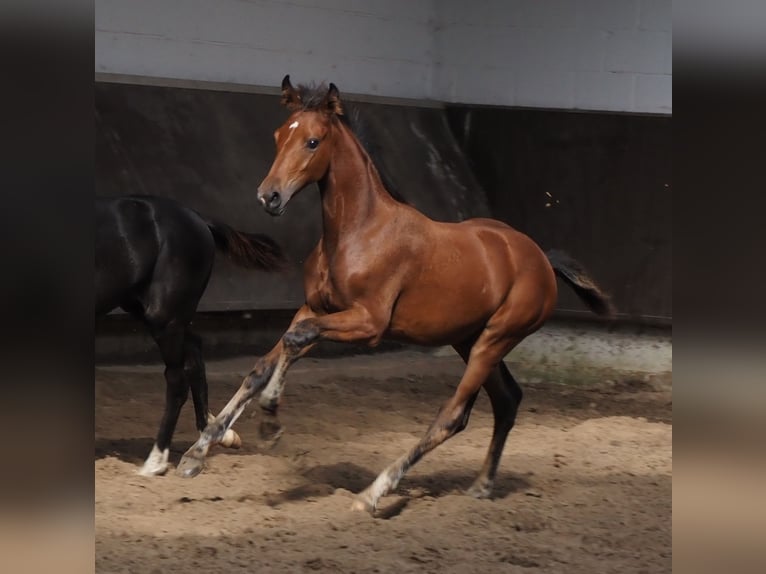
point(293, 125)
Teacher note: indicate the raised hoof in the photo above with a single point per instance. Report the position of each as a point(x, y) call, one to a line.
point(189, 467)
point(361, 505)
point(479, 491)
point(231, 440)
point(270, 432)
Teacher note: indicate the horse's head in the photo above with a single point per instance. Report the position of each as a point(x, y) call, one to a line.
point(303, 145)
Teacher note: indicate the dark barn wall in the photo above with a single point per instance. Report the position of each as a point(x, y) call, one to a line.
point(606, 175)
point(597, 185)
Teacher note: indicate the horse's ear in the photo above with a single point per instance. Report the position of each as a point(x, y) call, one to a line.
point(334, 105)
point(291, 99)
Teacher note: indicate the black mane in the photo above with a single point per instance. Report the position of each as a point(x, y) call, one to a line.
point(312, 98)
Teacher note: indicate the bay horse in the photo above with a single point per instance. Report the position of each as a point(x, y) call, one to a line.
point(383, 269)
point(153, 258)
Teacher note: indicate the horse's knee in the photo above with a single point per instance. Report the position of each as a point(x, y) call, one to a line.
point(461, 422)
point(300, 336)
point(193, 353)
point(159, 317)
point(464, 413)
point(450, 420)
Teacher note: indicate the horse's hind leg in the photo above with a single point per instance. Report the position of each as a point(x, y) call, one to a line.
point(194, 368)
point(505, 395)
point(451, 419)
point(170, 340)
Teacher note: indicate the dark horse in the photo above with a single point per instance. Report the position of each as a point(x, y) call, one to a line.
point(383, 269)
point(153, 259)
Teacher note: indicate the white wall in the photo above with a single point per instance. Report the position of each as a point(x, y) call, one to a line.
point(583, 54)
point(364, 46)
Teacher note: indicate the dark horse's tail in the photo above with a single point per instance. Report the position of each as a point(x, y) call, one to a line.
point(252, 250)
point(578, 279)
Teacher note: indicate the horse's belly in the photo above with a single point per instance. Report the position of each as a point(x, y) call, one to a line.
point(437, 321)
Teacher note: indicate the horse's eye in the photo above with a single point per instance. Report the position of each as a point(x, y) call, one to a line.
point(312, 143)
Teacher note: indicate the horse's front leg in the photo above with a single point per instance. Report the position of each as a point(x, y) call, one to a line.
point(357, 324)
point(193, 459)
point(267, 368)
point(285, 355)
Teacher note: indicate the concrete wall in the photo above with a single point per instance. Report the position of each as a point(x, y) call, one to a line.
point(571, 54)
point(364, 46)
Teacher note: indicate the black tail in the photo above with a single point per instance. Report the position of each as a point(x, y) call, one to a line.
point(251, 250)
point(578, 279)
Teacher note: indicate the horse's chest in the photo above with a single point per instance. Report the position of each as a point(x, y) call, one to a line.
point(324, 294)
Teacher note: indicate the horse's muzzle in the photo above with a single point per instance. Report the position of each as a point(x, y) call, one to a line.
point(272, 203)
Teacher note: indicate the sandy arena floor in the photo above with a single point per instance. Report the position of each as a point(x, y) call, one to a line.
point(584, 485)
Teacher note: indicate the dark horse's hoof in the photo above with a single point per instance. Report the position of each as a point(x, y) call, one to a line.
point(190, 467)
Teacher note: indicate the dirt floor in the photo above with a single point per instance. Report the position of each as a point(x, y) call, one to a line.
point(584, 484)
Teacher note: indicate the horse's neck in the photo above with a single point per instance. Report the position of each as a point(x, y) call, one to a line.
point(352, 192)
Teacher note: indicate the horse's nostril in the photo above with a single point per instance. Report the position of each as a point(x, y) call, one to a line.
point(274, 199)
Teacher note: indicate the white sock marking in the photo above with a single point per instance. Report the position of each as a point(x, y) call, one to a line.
point(276, 384)
point(156, 463)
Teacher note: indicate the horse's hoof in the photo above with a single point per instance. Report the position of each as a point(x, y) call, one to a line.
point(270, 432)
point(231, 440)
point(479, 491)
point(189, 467)
point(150, 470)
point(362, 505)
point(156, 463)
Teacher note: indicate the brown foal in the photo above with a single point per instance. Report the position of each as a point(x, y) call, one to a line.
point(383, 269)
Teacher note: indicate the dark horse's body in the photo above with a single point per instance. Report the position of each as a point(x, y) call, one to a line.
point(153, 258)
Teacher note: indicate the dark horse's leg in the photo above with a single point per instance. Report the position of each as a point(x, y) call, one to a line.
point(170, 340)
point(184, 369)
point(194, 369)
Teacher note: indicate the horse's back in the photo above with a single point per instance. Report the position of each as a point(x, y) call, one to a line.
point(519, 245)
point(468, 271)
point(489, 246)
point(142, 242)
point(516, 263)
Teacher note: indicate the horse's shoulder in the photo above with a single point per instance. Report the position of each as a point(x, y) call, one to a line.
point(487, 222)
